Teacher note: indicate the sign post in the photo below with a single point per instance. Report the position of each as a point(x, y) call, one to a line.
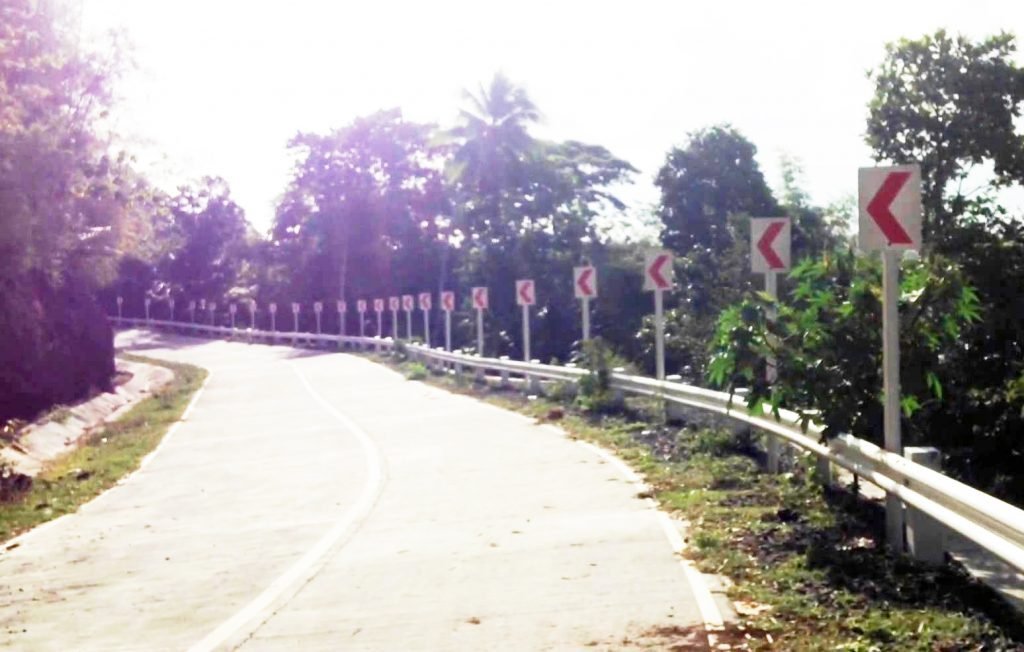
point(425, 305)
point(273, 317)
point(232, 309)
point(584, 284)
point(252, 313)
point(170, 302)
point(342, 307)
point(295, 321)
point(394, 303)
point(448, 305)
point(361, 309)
point(120, 303)
point(890, 222)
point(192, 311)
point(526, 297)
point(318, 308)
point(212, 306)
point(408, 303)
point(480, 304)
point(378, 307)
point(770, 239)
point(146, 303)
point(658, 277)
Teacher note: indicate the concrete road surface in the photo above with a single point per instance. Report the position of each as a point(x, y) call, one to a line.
point(318, 501)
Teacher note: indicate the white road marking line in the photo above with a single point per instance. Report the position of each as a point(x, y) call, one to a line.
point(293, 579)
point(709, 611)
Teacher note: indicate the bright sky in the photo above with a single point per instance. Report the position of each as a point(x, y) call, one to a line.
point(223, 84)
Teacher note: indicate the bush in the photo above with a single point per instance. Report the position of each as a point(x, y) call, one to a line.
point(58, 347)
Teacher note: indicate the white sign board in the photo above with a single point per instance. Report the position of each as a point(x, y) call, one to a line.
point(658, 274)
point(525, 292)
point(890, 208)
point(584, 282)
point(425, 301)
point(770, 244)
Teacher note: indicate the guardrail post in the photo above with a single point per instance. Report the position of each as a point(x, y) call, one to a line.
point(673, 411)
point(823, 471)
point(618, 395)
point(532, 385)
point(504, 373)
point(926, 537)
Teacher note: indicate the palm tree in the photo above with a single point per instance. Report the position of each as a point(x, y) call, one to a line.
point(493, 145)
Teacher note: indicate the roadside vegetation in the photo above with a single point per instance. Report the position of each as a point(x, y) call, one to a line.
point(807, 567)
point(105, 457)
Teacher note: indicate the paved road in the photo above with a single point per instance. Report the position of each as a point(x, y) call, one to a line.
point(322, 502)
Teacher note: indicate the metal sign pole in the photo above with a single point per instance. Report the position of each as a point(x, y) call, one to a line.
point(408, 324)
point(426, 327)
point(891, 384)
point(771, 287)
point(448, 330)
point(526, 332)
point(659, 333)
point(394, 324)
point(480, 332)
point(586, 318)
point(379, 318)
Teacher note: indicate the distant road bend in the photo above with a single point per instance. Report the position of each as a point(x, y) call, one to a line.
point(319, 501)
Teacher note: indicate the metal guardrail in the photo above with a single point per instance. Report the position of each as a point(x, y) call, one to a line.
point(991, 523)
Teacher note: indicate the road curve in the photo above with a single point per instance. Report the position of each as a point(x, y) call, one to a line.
point(317, 501)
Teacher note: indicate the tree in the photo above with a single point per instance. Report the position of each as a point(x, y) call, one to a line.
point(211, 238)
point(364, 213)
point(64, 198)
point(527, 209)
point(703, 184)
point(950, 105)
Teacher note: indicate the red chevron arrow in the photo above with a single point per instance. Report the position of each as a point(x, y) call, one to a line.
point(878, 208)
point(526, 292)
point(764, 245)
point(583, 282)
point(448, 301)
point(654, 272)
point(480, 298)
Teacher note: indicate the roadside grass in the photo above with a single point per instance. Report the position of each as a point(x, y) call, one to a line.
point(106, 455)
point(807, 567)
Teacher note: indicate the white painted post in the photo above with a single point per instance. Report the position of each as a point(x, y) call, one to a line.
point(273, 319)
point(394, 323)
point(526, 333)
point(120, 304)
point(480, 332)
point(586, 318)
point(170, 302)
point(192, 311)
point(659, 334)
point(771, 286)
point(926, 537)
point(231, 311)
point(317, 310)
point(891, 385)
point(145, 304)
point(447, 331)
point(295, 319)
